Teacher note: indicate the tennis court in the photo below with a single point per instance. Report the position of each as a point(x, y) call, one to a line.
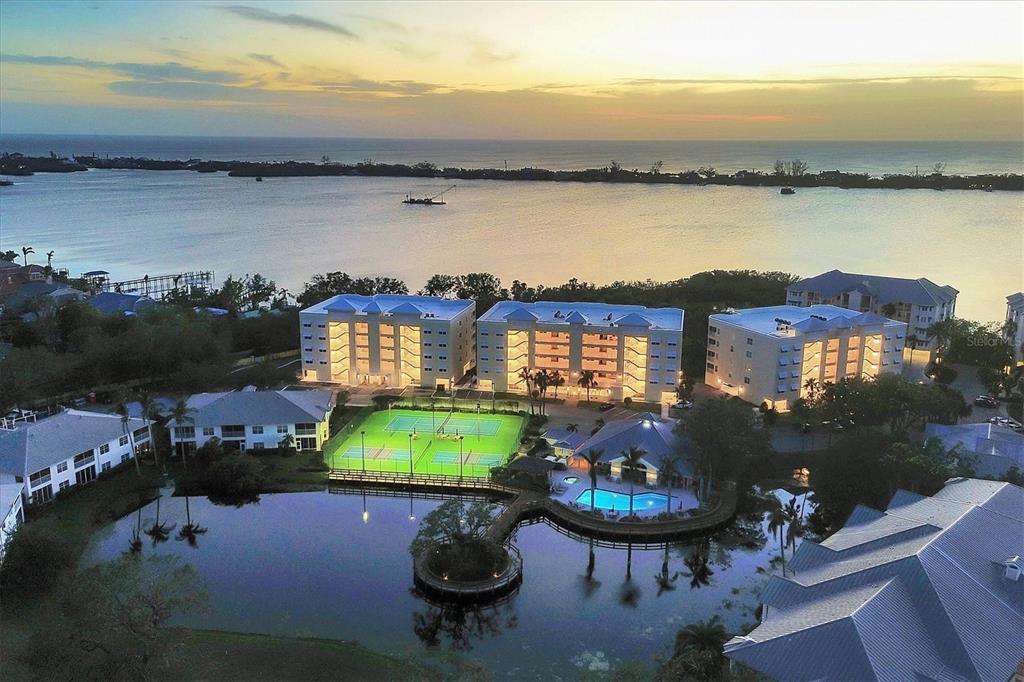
point(452, 444)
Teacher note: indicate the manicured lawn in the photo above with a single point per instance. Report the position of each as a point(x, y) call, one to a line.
point(211, 655)
point(486, 441)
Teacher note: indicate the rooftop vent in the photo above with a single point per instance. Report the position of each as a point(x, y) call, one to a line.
point(1014, 568)
point(819, 317)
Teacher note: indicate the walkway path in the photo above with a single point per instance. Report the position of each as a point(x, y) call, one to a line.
point(528, 504)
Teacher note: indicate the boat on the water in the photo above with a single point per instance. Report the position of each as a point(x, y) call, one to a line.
point(259, 178)
point(435, 200)
point(787, 190)
point(6, 183)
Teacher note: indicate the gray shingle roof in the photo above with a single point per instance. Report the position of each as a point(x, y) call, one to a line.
point(887, 289)
point(646, 431)
point(34, 446)
point(916, 592)
point(259, 407)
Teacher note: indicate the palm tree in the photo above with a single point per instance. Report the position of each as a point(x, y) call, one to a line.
point(776, 524)
point(587, 381)
point(665, 581)
point(287, 442)
point(25, 250)
point(589, 584)
point(190, 532)
point(598, 425)
point(49, 259)
point(632, 459)
point(557, 380)
point(669, 468)
point(527, 377)
point(593, 457)
point(181, 414)
point(135, 544)
point(697, 562)
point(121, 407)
point(159, 532)
point(151, 412)
point(542, 380)
point(794, 516)
point(572, 428)
point(704, 640)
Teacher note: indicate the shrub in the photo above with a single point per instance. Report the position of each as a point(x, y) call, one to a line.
point(36, 556)
point(235, 479)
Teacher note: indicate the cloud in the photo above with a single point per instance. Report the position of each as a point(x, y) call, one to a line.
point(190, 91)
point(412, 51)
point(266, 59)
point(482, 54)
point(148, 72)
point(300, 21)
point(177, 54)
point(364, 86)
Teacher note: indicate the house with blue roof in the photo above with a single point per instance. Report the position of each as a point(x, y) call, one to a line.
point(929, 589)
point(113, 303)
point(772, 354)
point(387, 340)
point(918, 303)
point(993, 449)
point(598, 350)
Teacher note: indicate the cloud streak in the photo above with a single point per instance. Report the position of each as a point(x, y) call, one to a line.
point(299, 21)
point(266, 59)
point(142, 71)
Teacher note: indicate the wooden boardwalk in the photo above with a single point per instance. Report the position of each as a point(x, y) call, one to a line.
point(527, 505)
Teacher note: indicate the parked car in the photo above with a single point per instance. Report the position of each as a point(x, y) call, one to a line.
point(835, 426)
point(986, 401)
point(683, 405)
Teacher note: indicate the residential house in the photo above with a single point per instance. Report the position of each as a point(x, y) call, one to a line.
point(254, 420)
point(12, 510)
point(993, 448)
point(69, 448)
point(929, 589)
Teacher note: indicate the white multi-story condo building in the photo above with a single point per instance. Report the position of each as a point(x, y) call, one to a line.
point(254, 420)
point(771, 354)
point(918, 303)
point(387, 340)
point(69, 448)
point(1015, 314)
point(631, 351)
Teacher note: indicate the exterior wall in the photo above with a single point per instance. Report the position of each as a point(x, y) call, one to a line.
point(253, 438)
point(640, 363)
point(67, 473)
point(15, 517)
point(386, 350)
point(773, 368)
point(1015, 314)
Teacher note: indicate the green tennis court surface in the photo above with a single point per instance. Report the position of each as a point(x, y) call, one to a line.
point(430, 444)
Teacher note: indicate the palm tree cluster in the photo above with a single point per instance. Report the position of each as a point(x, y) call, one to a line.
point(785, 522)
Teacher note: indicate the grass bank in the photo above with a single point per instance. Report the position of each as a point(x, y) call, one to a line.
point(215, 655)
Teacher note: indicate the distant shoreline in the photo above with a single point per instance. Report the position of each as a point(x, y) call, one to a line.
point(19, 165)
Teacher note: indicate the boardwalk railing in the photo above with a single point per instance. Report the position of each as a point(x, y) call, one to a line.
point(529, 505)
point(471, 590)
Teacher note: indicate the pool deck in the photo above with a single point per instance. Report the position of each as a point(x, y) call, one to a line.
point(683, 499)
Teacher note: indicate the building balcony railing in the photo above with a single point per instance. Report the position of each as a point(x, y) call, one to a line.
point(79, 463)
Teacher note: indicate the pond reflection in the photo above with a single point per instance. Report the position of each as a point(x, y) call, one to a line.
point(336, 565)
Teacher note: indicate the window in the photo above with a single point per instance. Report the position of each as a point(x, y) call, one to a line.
point(125, 457)
point(257, 446)
point(181, 432)
point(307, 429)
point(257, 430)
point(307, 324)
point(207, 430)
point(63, 485)
point(105, 467)
point(749, 354)
point(141, 434)
point(750, 341)
point(83, 458)
point(62, 467)
point(232, 430)
point(105, 448)
point(282, 428)
point(40, 477)
point(746, 380)
point(712, 329)
point(123, 441)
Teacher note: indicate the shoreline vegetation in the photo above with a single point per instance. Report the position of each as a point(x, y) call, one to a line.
point(793, 173)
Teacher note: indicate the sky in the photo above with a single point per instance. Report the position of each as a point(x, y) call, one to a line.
point(499, 70)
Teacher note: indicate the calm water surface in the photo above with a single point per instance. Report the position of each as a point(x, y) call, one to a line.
point(139, 222)
point(305, 564)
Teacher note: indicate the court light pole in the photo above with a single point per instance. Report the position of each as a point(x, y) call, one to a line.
point(460, 459)
point(362, 436)
point(410, 455)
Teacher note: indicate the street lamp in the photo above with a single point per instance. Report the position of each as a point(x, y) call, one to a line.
point(366, 514)
point(460, 459)
point(362, 435)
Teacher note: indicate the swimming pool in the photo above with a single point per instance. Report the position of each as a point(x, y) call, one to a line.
point(607, 500)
